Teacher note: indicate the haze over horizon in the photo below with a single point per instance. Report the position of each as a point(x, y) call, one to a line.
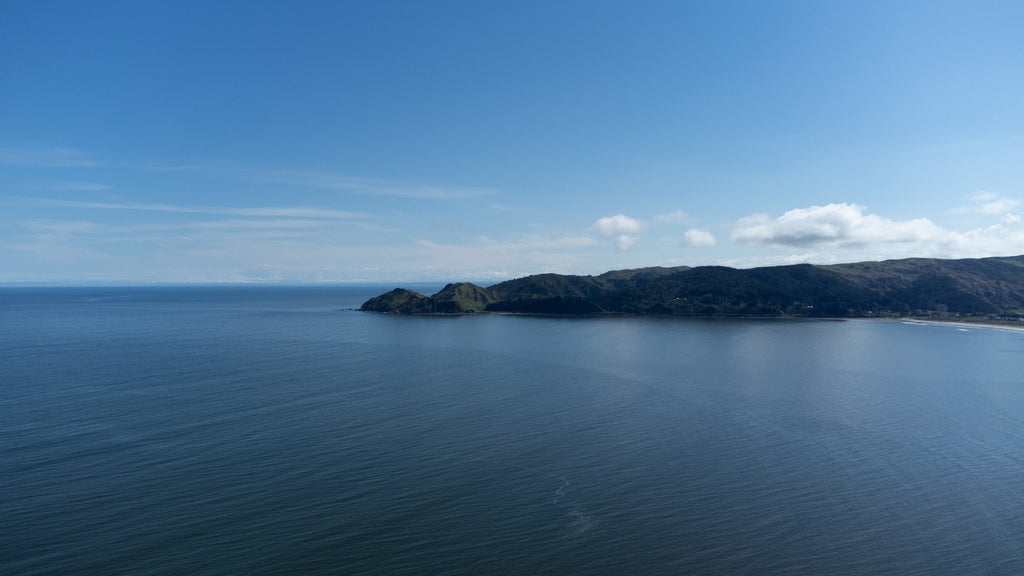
point(439, 141)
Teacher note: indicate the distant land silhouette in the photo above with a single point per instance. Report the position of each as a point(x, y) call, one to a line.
point(974, 288)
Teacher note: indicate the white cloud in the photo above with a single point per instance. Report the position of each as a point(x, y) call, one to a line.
point(53, 157)
point(844, 232)
point(487, 258)
point(626, 230)
point(53, 228)
point(221, 250)
point(331, 181)
point(376, 187)
point(567, 241)
point(274, 212)
point(623, 228)
point(76, 231)
point(677, 217)
point(80, 187)
point(290, 212)
point(528, 243)
point(625, 242)
point(988, 204)
point(617, 225)
point(696, 238)
point(836, 225)
point(279, 223)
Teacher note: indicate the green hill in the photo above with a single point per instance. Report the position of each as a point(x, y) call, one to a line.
point(398, 301)
point(460, 298)
point(986, 287)
point(544, 286)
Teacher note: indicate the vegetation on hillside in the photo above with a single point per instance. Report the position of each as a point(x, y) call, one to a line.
point(968, 288)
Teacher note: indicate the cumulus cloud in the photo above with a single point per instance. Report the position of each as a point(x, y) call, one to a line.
point(843, 231)
point(617, 225)
point(988, 204)
point(623, 228)
point(625, 231)
point(836, 225)
point(625, 242)
point(696, 238)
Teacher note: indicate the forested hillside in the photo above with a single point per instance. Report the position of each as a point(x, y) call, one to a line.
point(986, 287)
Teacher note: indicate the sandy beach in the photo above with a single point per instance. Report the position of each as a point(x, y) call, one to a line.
point(1018, 327)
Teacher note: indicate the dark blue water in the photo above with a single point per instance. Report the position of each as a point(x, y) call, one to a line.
point(268, 431)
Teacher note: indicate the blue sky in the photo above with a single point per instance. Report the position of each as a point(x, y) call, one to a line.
point(439, 140)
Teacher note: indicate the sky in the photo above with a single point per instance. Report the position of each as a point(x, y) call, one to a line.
point(436, 140)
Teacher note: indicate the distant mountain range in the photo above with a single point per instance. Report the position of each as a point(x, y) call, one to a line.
point(915, 287)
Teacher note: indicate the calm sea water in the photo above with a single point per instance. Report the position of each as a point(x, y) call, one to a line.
point(201, 431)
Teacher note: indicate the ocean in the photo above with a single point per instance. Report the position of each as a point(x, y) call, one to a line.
point(274, 430)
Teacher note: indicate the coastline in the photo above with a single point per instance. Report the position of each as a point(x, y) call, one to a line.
point(1010, 326)
point(990, 324)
